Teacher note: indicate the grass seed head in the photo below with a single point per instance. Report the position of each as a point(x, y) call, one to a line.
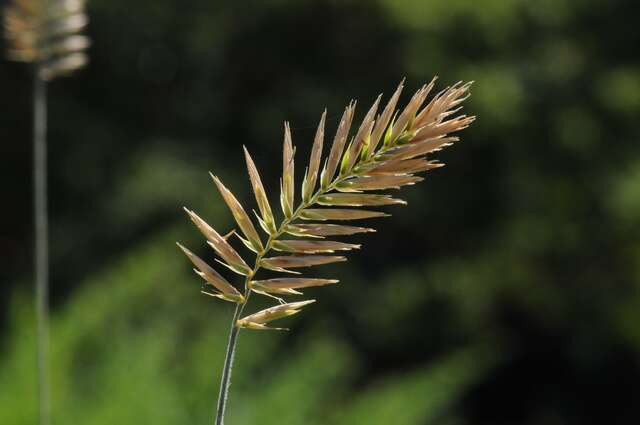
point(386, 152)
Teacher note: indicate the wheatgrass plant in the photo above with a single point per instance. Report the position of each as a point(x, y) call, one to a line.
point(385, 153)
point(45, 34)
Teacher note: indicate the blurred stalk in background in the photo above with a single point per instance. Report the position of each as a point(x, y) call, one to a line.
point(45, 34)
point(41, 223)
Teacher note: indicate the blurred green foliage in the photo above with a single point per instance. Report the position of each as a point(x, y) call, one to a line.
point(147, 352)
point(508, 291)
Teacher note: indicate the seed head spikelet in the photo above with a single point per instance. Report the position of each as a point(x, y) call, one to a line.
point(386, 152)
point(266, 219)
point(253, 241)
point(309, 182)
point(283, 263)
point(224, 289)
point(320, 230)
point(258, 320)
point(287, 189)
point(47, 33)
point(382, 121)
point(338, 145)
point(220, 245)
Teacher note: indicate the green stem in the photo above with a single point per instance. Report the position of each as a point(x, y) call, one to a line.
point(228, 365)
point(41, 244)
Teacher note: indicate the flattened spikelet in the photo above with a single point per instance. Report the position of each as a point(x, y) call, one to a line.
point(362, 138)
point(227, 291)
point(220, 245)
point(261, 196)
point(357, 200)
point(383, 120)
point(446, 127)
point(401, 167)
point(312, 247)
point(288, 285)
point(309, 183)
point(338, 214)
point(287, 190)
point(322, 230)
point(257, 320)
point(446, 100)
point(296, 261)
point(338, 144)
point(241, 216)
point(294, 282)
point(377, 183)
point(422, 148)
point(409, 113)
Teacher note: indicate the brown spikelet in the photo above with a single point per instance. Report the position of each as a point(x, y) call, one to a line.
point(377, 183)
point(338, 214)
point(358, 200)
point(47, 34)
point(442, 103)
point(400, 167)
point(220, 245)
point(423, 147)
point(226, 291)
point(409, 113)
point(320, 230)
point(309, 183)
point(242, 218)
point(296, 261)
point(287, 189)
point(386, 152)
point(362, 138)
point(260, 194)
point(383, 120)
point(338, 144)
point(445, 127)
point(258, 320)
point(294, 282)
point(312, 247)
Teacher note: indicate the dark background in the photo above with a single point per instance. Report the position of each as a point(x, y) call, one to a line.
point(507, 292)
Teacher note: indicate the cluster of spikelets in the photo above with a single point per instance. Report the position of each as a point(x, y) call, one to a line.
point(48, 34)
point(386, 152)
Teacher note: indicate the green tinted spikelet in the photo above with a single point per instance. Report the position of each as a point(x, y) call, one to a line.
point(259, 319)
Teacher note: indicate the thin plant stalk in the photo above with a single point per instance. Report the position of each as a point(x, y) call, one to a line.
point(228, 365)
point(47, 35)
point(41, 244)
